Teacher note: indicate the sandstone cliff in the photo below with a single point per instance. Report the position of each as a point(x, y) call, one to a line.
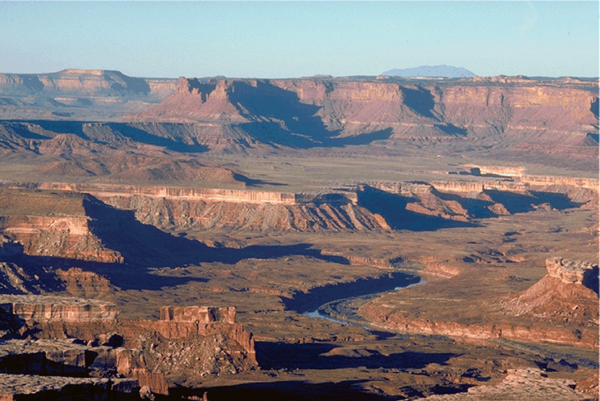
point(51, 225)
point(323, 111)
point(186, 342)
point(84, 83)
point(561, 308)
point(379, 206)
point(568, 293)
point(520, 384)
point(507, 118)
point(41, 309)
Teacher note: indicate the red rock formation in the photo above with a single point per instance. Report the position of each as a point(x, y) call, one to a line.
point(569, 271)
point(186, 341)
point(42, 309)
point(202, 314)
point(559, 309)
point(568, 293)
point(562, 115)
point(68, 237)
point(84, 284)
point(519, 384)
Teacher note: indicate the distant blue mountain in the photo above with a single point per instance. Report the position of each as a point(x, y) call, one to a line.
point(445, 71)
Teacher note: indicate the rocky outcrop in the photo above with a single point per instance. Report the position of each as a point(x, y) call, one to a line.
point(520, 384)
point(82, 83)
point(572, 271)
point(28, 387)
point(199, 194)
point(84, 284)
point(556, 309)
point(67, 237)
point(182, 322)
point(15, 279)
point(443, 111)
point(377, 206)
point(267, 216)
point(567, 293)
point(186, 342)
point(191, 207)
point(496, 170)
point(49, 224)
point(41, 309)
point(503, 117)
point(581, 336)
point(544, 181)
point(197, 314)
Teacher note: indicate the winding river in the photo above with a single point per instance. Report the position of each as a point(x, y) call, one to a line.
point(345, 310)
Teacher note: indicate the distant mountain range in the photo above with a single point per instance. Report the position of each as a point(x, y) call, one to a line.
point(445, 71)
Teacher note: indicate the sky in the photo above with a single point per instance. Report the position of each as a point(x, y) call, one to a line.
point(293, 39)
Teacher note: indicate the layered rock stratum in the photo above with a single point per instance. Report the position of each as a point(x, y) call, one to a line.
point(506, 117)
point(558, 309)
point(279, 195)
point(567, 293)
point(73, 337)
point(321, 112)
point(519, 384)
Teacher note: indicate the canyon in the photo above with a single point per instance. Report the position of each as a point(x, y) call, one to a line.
point(165, 238)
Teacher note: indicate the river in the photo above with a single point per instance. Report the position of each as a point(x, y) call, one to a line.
point(347, 308)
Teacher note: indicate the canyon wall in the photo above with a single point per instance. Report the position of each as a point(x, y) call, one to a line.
point(77, 82)
point(67, 237)
point(365, 207)
point(409, 109)
point(562, 307)
point(42, 309)
point(73, 337)
point(200, 194)
point(510, 116)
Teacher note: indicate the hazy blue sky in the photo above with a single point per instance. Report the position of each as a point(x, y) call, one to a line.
point(292, 39)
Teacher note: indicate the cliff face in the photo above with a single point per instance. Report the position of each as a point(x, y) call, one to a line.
point(559, 308)
point(67, 237)
point(325, 110)
point(84, 83)
point(76, 337)
point(41, 309)
point(96, 95)
point(383, 206)
point(505, 118)
point(568, 293)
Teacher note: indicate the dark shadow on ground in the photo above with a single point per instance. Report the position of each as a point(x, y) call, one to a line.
point(392, 208)
point(591, 139)
point(171, 143)
point(363, 139)
point(286, 391)
point(452, 130)
point(523, 203)
point(143, 246)
point(32, 82)
point(419, 100)
point(109, 133)
point(252, 182)
point(308, 301)
point(132, 84)
point(591, 279)
point(311, 356)
point(265, 100)
point(477, 208)
point(280, 119)
point(125, 276)
point(21, 130)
